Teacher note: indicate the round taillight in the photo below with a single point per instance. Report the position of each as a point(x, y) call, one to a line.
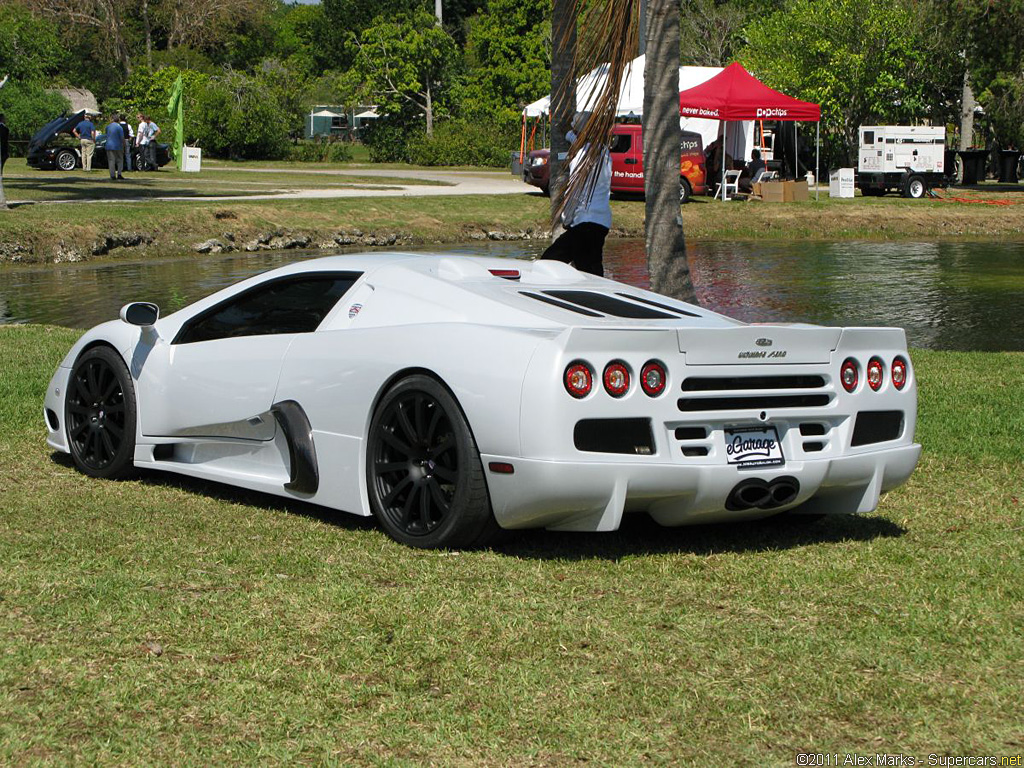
point(653, 378)
point(616, 378)
point(578, 379)
point(848, 374)
point(875, 373)
point(899, 373)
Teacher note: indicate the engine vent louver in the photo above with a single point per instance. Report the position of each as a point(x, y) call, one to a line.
point(723, 393)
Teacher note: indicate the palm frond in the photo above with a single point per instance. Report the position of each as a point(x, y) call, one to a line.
point(607, 37)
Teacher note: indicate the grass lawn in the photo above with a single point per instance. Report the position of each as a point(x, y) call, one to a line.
point(22, 183)
point(166, 620)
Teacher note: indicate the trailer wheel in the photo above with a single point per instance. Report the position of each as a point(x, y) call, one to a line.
point(915, 188)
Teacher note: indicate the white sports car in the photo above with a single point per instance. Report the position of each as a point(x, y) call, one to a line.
point(454, 396)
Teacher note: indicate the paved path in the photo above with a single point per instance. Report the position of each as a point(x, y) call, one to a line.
point(451, 183)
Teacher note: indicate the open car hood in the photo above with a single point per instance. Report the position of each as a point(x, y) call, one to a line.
point(62, 124)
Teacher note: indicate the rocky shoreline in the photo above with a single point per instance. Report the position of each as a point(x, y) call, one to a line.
point(126, 244)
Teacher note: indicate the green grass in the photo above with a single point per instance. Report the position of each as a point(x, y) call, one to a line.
point(22, 183)
point(164, 620)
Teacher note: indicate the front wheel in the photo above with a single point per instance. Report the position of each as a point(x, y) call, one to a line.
point(684, 190)
point(915, 188)
point(66, 160)
point(100, 413)
point(423, 472)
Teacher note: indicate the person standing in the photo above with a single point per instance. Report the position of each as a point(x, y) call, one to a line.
point(129, 142)
point(588, 220)
point(5, 142)
point(115, 148)
point(141, 140)
point(152, 131)
point(85, 131)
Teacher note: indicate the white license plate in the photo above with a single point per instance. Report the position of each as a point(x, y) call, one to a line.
point(753, 447)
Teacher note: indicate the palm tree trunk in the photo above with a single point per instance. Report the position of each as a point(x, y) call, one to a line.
point(666, 245)
point(563, 96)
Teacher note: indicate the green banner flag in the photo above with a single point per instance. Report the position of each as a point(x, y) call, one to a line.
point(176, 109)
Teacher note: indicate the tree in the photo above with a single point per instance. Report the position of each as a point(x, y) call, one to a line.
point(711, 32)
point(666, 245)
point(107, 17)
point(407, 61)
point(862, 60)
point(507, 53)
point(563, 99)
point(32, 55)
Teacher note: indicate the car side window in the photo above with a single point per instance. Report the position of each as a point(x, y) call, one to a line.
point(294, 304)
point(621, 142)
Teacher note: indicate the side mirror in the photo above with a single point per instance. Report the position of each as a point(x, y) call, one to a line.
point(140, 313)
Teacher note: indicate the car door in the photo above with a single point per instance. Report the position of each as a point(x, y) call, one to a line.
point(626, 150)
point(218, 374)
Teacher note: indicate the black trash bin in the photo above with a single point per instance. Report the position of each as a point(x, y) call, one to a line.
point(1008, 159)
point(974, 165)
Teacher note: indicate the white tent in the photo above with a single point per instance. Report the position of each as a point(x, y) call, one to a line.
point(740, 137)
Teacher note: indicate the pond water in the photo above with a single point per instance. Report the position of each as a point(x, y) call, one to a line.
point(957, 296)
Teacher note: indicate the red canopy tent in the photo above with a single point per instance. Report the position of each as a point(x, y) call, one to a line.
point(735, 94)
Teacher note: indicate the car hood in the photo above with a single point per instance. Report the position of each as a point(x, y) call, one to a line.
point(62, 124)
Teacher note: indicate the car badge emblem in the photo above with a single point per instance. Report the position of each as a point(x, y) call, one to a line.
point(354, 310)
point(763, 342)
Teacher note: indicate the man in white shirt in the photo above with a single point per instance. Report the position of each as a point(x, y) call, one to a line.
point(588, 221)
point(141, 139)
point(152, 131)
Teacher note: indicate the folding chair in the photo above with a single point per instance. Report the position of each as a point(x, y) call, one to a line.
point(731, 185)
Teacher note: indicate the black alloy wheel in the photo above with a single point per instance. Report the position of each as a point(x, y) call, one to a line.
point(99, 414)
point(425, 480)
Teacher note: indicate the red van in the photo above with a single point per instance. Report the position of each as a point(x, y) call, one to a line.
point(626, 150)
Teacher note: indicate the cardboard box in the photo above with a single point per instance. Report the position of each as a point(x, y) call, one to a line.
point(795, 192)
point(771, 191)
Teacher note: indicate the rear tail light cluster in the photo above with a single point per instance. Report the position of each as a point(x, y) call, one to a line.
point(616, 377)
point(849, 373)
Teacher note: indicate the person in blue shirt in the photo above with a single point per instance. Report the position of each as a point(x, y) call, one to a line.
point(115, 147)
point(85, 131)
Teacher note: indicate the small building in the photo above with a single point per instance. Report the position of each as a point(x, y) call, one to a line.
point(336, 120)
point(79, 99)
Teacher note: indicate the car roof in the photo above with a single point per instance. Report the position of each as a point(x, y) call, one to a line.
point(446, 287)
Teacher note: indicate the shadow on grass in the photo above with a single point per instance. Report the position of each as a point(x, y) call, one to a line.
point(638, 534)
point(98, 186)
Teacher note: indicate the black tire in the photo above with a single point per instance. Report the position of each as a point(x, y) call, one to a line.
point(66, 160)
point(100, 413)
point(915, 187)
point(685, 190)
point(423, 472)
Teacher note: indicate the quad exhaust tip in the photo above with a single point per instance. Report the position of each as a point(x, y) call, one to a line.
point(755, 493)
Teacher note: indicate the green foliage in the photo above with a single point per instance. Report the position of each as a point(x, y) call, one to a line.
point(28, 107)
point(148, 93)
point(387, 139)
point(995, 32)
point(407, 61)
point(507, 53)
point(33, 55)
point(463, 142)
point(320, 151)
point(862, 60)
point(237, 116)
point(30, 48)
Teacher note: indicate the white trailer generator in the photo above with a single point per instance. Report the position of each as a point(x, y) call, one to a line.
point(908, 159)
